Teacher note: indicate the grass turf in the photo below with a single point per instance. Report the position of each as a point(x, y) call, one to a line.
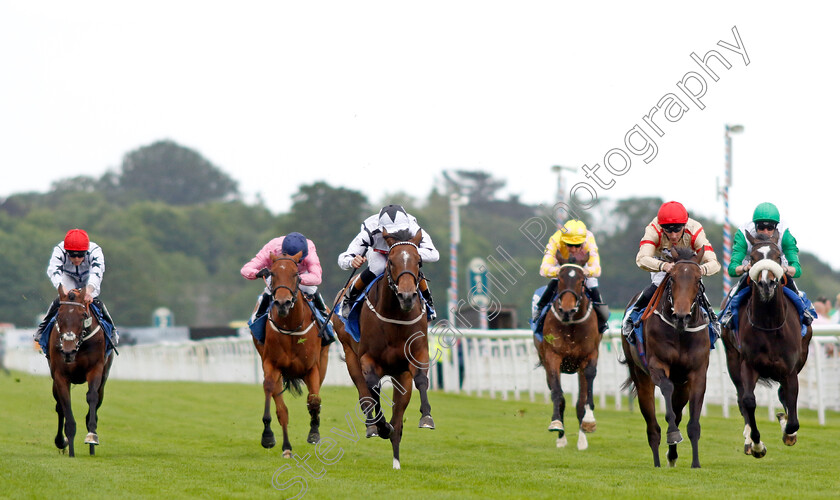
point(182, 440)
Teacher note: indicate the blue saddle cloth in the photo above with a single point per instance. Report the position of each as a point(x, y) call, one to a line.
point(257, 326)
point(351, 322)
point(537, 326)
point(637, 338)
point(107, 327)
point(801, 302)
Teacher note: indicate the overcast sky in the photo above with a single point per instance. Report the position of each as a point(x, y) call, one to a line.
point(382, 96)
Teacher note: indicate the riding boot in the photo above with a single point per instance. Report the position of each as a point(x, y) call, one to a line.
point(641, 303)
point(602, 311)
point(355, 291)
point(50, 313)
point(430, 305)
point(115, 335)
point(807, 317)
point(325, 333)
point(713, 321)
point(726, 317)
point(545, 298)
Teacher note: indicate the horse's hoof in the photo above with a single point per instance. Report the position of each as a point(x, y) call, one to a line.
point(588, 426)
point(672, 463)
point(582, 443)
point(268, 442)
point(674, 437)
point(557, 426)
point(427, 422)
point(759, 450)
point(91, 438)
point(287, 453)
point(313, 438)
point(371, 431)
point(562, 442)
point(747, 449)
point(789, 439)
point(396, 464)
point(386, 431)
point(61, 445)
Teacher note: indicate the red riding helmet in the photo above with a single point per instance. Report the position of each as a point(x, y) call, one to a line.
point(672, 212)
point(76, 240)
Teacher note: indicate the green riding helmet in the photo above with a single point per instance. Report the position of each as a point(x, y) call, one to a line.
point(766, 211)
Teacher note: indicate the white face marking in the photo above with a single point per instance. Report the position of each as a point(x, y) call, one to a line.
point(764, 251)
point(405, 257)
point(572, 273)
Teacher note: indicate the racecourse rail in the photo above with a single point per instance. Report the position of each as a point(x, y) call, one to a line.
point(491, 363)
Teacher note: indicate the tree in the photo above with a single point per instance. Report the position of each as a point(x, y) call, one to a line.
point(165, 171)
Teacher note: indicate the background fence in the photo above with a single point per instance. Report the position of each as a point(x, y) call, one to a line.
point(491, 363)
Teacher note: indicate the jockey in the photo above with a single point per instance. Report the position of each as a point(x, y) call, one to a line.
point(765, 220)
point(573, 239)
point(77, 263)
point(679, 230)
point(391, 218)
point(309, 269)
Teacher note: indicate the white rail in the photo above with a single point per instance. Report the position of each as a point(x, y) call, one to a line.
point(494, 363)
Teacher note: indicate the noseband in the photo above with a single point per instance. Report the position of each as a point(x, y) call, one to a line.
point(665, 288)
point(71, 336)
point(294, 291)
point(392, 284)
point(577, 297)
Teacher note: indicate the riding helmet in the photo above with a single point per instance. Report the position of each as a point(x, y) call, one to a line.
point(76, 240)
point(672, 212)
point(573, 232)
point(766, 211)
point(294, 243)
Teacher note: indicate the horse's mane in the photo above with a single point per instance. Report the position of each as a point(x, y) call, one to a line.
point(401, 235)
point(684, 253)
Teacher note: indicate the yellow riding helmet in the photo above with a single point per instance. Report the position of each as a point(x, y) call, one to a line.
point(573, 232)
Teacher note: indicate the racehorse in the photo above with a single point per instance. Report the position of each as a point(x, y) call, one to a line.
point(676, 346)
point(77, 349)
point(570, 345)
point(768, 344)
point(393, 342)
point(292, 352)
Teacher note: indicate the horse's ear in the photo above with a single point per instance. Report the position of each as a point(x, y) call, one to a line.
point(272, 256)
point(672, 255)
point(559, 258)
point(388, 239)
point(62, 294)
point(698, 257)
point(585, 258)
point(776, 236)
point(297, 256)
point(750, 238)
point(418, 237)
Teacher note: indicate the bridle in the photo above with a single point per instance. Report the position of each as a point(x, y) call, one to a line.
point(294, 291)
point(578, 298)
point(665, 289)
point(392, 284)
point(85, 334)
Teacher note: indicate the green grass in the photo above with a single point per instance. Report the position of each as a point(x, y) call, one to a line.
point(181, 440)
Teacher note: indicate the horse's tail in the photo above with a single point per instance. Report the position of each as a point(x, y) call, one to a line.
point(295, 384)
point(628, 384)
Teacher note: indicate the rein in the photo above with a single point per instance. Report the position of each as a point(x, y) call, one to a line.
point(392, 284)
point(784, 315)
point(70, 336)
point(294, 292)
point(653, 306)
point(577, 297)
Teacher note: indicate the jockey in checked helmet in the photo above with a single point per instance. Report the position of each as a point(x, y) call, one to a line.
point(309, 270)
point(573, 239)
point(671, 228)
point(391, 218)
point(765, 220)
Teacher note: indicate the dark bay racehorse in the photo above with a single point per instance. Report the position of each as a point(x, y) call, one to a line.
point(676, 346)
point(393, 342)
point(768, 344)
point(77, 348)
point(570, 345)
point(292, 352)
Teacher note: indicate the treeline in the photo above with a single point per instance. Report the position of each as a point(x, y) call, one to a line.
point(175, 233)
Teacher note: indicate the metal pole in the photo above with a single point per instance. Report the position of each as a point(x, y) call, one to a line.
point(455, 201)
point(727, 235)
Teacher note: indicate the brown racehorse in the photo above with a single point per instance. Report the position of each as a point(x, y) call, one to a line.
point(768, 345)
point(676, 345)
point(292, 352)
point(570, 345)
point(77, 348)
point(393, 342)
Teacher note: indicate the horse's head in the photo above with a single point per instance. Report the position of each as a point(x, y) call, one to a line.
point(570, 281)
point(685, 282)
point(766, 264)
point(403, 268)
point(73, 322)
point(285, 282)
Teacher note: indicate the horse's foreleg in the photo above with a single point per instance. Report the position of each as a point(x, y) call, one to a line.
point(666, 386)
point(551, 364)
point(94, 381)
point(323, 362)
point(421, 381)
point(647, 405)
point(585, 403)
point(313, 404)
point(749, 377)
point(60, 440)
point(696, 396)
point(402, 395)
point(269, 383)
point(61, 387)
point(788, 396)
point(282, 418)
point(372, 406)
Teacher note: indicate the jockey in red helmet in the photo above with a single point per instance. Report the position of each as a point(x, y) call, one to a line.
point(670, 228)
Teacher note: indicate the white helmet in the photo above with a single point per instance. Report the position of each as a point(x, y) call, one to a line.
point(392, 218)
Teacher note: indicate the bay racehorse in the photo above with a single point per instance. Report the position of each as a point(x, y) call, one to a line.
point(292, 352)
point(393, 341)
point(77, 348)
point(676, 355)
point(768, 344)
point(570, 345)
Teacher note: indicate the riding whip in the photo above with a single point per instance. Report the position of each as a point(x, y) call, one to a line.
point(340, 296)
